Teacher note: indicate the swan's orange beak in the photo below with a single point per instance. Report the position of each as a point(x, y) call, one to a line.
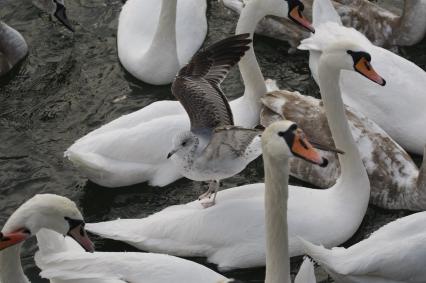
point(296, 16)
point(364, 68)
point(303, 148)
point(13, 238)
point(79, 234)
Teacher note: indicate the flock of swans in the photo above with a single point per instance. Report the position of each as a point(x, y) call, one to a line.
point(352, 143)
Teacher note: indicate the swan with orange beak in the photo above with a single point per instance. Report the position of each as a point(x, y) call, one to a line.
point(44, 211)
point(295, 10)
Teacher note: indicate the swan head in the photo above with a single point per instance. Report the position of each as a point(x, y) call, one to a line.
point(351, 56)
point(47, 211)
point(55, 8)
point(284, 139)
point(183, 144)
point(291, 9)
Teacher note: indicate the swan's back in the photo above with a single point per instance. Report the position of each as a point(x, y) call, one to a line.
point(13, 48)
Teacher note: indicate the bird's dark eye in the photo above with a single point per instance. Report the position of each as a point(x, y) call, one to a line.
point(281, 134)
point(184, 143)
point(74, 222)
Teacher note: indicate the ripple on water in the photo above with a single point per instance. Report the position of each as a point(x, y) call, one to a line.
point(71, 84)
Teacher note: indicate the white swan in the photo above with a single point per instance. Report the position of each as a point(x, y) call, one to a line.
point(396, 182)
point(231, 234)
point(404, 95)
point(63, 260)
point(280, 141)
point(13, 48)
point(156, 38)
point(133, 148)
point(393, 254)
point(42, 211)
point(383, 27)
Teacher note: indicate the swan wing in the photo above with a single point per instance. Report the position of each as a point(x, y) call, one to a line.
point(123, 267)
point(120, 157)
point(392, 252)
point(230, 234)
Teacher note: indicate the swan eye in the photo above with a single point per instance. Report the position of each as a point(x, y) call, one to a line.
point(184, 143)
point(74, 222)
point(358, 55)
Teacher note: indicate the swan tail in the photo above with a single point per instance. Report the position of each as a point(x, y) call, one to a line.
point(320, 254)
point(235, 5)
point(306, 272)
point(323, 11)
point(421, 181)
point(419, 201)
point(113, 173)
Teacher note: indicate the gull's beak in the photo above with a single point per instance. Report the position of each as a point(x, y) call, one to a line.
point(13, 238)
point(170, 154)
point(79, 234)
point(364, 67)
point(296, 16)
point(303, 148)
point(62, 16)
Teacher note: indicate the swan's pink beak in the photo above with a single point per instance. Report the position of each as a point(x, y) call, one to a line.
point(13, 238)
point(79, 234)
point(297, 17)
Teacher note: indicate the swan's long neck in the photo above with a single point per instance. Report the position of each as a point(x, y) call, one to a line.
point(353, 171)
point(252, 76)
point(10, 261)
point(165, 35)
point(276, 196)
point(411, 27)
point(10, 266)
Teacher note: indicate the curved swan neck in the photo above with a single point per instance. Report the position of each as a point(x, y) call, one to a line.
point(411, 26)
point(276, 196)
point(165, 35)
point(11, 267)
point(252, 76)
point(353, 170)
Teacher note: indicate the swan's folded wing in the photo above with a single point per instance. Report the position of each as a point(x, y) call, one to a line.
point(232, 141)
point(126, 267)
point(394, 252)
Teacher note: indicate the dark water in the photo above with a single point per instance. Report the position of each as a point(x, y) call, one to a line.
point(71, 84)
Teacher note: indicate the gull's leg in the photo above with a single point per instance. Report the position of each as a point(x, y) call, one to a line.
point(208, 193)
point(214, 187)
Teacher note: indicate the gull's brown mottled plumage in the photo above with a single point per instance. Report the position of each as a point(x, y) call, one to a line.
point(214, 149)
point(197, 85)
point(230, 140)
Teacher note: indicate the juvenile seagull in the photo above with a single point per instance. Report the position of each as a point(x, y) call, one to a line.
point(214, 148)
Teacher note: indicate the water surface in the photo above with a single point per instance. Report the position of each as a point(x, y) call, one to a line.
point(71, 84)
